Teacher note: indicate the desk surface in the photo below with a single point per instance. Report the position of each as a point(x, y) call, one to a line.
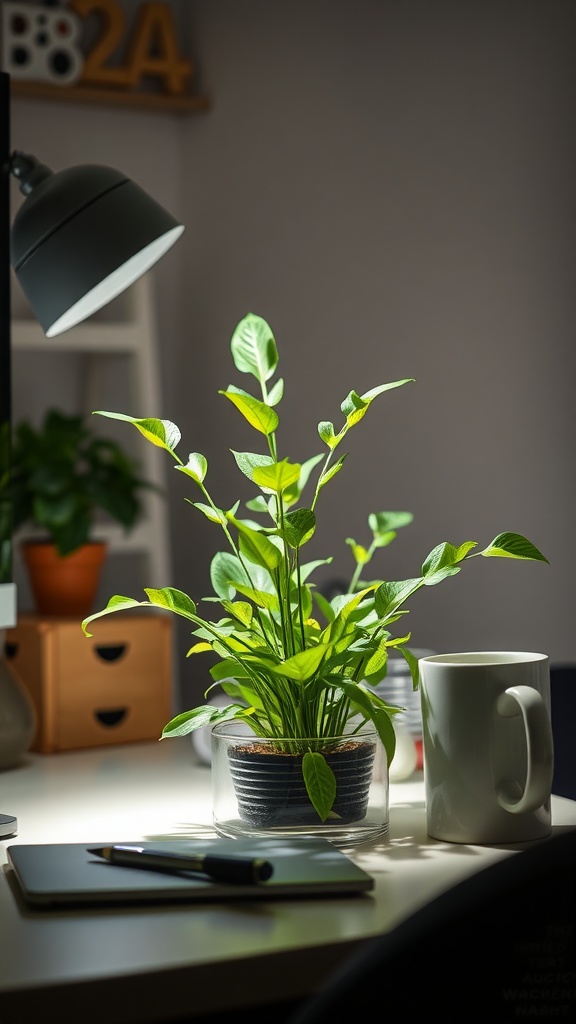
point(147, 964)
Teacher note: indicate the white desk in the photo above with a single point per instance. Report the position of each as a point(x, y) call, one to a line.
point(147, 964)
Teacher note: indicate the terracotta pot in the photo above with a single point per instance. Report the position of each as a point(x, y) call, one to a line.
point(66, 585)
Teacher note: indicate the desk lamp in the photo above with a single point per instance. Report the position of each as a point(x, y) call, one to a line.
point(81, 236)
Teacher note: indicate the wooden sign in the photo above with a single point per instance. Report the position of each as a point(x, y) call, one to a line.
point(139, 62)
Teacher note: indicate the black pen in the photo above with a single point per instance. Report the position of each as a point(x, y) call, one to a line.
point(225, 869)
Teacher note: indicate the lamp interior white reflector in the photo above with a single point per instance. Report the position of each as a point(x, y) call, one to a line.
point(115, 283)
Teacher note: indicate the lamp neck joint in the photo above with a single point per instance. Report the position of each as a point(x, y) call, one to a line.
point(28, 171)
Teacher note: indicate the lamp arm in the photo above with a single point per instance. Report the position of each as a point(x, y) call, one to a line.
point(28, 171)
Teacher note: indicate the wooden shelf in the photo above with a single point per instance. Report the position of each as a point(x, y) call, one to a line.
point(107, 97)
point(100, 342)
point(89, 336)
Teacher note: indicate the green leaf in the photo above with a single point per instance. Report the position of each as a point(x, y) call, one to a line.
point(326, 432)
point(309, 567)
point(346, 605)
point(373, 708)
point(196, 467)
point(174, 600)
point(377, 659)
point(292, 493)
point(325, 607)
point(259, 415)
point(261, 661)
point(256, 546)
point(276, 392)
point(189, 721)
point(320, 783)
point(299, 526)
point(369, 396)
point(355, 406)
point(278, 476)
point(302, 666)
point(382, 522)
point(446, 554)
point(73, 534)
point(115, 604)
point(241, 610)
point(412, 662)
point(332, 471)
point(384, 539)
point(263, 598)
point(254, 348)
point(306, 605)
point(432, 578)
point(257, 504)
point(513, 545)
point(383, 723)
point(224, 568)
point(360, 553)
point(247, 462)
point(230, 641)
point(162, 433)
point(390, 595)
point(226, 670)
point(54, 509)
point(215, 515)
point(463, 550)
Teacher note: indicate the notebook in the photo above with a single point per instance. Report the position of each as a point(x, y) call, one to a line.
point(66, 874)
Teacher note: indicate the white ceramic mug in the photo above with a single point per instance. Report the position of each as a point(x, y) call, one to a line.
point(488, 750)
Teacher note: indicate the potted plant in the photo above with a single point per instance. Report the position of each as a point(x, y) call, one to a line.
point(298, 668)
point(63, 476)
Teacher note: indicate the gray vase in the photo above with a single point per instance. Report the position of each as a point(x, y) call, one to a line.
point(17, 716)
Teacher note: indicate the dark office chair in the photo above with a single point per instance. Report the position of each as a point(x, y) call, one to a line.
point(563, 714)
point(499, 946)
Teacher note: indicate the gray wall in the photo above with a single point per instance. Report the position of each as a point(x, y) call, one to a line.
point(392, 186)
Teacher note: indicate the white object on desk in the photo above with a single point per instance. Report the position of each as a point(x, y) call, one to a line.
point(405, 757)
point(8, 825)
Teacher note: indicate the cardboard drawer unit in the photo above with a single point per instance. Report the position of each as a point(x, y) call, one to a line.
point(115, 687)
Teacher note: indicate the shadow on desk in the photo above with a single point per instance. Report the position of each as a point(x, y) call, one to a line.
point(501, 943)
point(499, 946)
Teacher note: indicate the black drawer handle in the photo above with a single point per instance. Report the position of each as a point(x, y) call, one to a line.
point(111, 717)
point(110, 652)
point(10, 650)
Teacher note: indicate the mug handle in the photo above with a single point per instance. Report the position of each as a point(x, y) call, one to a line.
point(526, 701)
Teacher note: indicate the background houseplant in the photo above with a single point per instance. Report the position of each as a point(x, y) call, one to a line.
point(65, 475)
point(297, 667)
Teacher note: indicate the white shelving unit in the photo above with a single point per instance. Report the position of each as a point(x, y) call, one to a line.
point(100, 343)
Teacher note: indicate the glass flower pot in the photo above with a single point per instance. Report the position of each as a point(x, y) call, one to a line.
point(258, 785)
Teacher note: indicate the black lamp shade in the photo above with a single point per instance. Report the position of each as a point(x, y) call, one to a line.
point(81, 237)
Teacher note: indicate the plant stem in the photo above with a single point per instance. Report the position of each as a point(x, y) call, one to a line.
point(359, 567)
point(300, 610)
point(321, 476)
point(238, 554)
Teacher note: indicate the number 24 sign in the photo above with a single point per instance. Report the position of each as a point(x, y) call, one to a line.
point(44, 43)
